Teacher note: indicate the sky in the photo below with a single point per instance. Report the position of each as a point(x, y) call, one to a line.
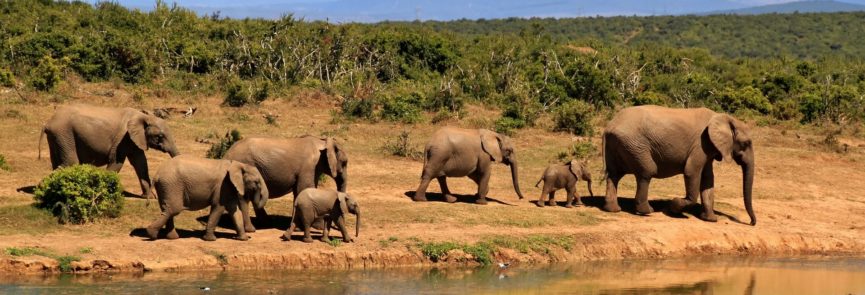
point(373, 11)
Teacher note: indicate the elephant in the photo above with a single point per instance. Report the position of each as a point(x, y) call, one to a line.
point(83, 134)
point(189, 183)
point(319, 208)
point(565, 176)
point(458, 152)
point(659, 142)
point(291, 165)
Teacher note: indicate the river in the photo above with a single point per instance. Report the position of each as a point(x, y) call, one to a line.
point(732, 275)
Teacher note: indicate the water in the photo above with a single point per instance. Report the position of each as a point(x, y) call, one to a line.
point(692, 276)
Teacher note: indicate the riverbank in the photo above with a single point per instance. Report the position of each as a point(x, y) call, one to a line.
point(807, 199)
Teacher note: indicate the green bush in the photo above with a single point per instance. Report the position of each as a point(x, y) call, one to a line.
point(238, 94)
point(402, 147)
point(6, 78)
point(582, 149)
point(748, 97)
point(507, 125)
point(217, 150)
point(3, 164)
point(80, 194)
point(812, 108)
point(357, 108)
point(575, 116)
point(46, 75)
point(401, 109)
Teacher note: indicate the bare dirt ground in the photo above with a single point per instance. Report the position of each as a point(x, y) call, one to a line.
point(807, 199)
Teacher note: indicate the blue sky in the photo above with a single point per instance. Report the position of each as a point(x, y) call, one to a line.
point(372, 11)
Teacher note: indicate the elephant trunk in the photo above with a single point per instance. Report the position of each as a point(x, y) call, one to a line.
point(747, 187)
point(515, 178)
point(172, 150)
point(357, 222)
point(341, 181)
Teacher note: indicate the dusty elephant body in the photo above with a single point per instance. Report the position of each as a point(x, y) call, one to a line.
point(82, 134)
point(188, 183)
point(319, 208)
point(559, 176)
point(457, 152)
point(658, 142)
point(291, 165)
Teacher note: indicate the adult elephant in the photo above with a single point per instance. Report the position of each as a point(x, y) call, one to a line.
point(458, 152)
point(658, 142)
point(84, 134)
point(291, 165)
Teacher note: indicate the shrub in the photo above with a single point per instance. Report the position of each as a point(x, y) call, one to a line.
point(401, 110)
point(357, 108)
point(3, 164)
point(46, 75)
point(80, 194)
point(402, 147)
point(575, 116)
point(218, 149)
point(582, 149)
point(507, 125)
point(234, 95)
point(748, 97)
point(811, 107)
point(6, 78)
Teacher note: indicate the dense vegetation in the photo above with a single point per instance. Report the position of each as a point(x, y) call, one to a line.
point(80, 194)
point(803, 67)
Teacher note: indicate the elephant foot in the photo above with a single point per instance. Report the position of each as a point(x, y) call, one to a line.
point(612, 207)
point(308, 240)
point(348, 240)
point(152, 233)
point(450, 198)
point(481, 201)
point(243, 238)
point(209, 237)
point(249, 229)
point(569, 206)
point(172, 235)
point(551, 203)
point(286, 237)
point(678, 205)
point(644, 209)
point(419, 198)
point(710, 217)
point(541, 204)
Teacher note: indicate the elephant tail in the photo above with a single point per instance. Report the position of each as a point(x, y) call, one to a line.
point(539, 181)
point(604, 157)
point(39, 144)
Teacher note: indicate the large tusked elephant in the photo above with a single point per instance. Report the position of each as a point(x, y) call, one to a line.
point(188, 183)
point(458, 152)
point(83, 134)
point(658, 142)
point(291, 165)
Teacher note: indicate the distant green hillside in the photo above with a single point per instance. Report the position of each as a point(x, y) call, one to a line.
point(800, 7)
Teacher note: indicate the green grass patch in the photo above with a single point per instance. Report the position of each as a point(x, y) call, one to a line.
point(482, 252)
point(85, 250)
point(334, 242)
point(64, 262)
point(532, 243)
point(387, 242)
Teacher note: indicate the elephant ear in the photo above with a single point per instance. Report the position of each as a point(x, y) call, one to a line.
point(332, 160)
point(136, 127)
point(491, 144)
point(575, 168)
point(235, 175)
point(343, 206)
point(721, 134)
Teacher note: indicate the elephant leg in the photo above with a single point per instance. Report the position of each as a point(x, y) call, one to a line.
point(571, 196)
point(172, 231)
point(212, 221)
point(420, 193)
point(325, 232)
point(62, 151)
point(307, 227)
point(156, 225)
point(611, 201)
point(139, 162)
point(291, 227)
point(443, 183)
point(238, 223)
point(544, 194)
point(118, 163)
point(244, 213)
point(551, 200)
point(707, 194)
point(483, 182)
point(340, 223)
point(642, 197)
point(692, 190)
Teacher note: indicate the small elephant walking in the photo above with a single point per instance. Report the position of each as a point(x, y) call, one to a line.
point(83, 134)
point(658, 142)
point(458, 152)
point(189, 183)
point(559, 176)
point(320, 208)
point(291, 165)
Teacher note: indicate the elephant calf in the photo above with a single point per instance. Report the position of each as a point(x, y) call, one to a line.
point(189, 183)
point(319, 208)
point(565, 176)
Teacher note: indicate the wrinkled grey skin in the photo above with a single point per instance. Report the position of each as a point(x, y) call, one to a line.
point(83, 134)
point(320, 208)
point(658, 142)
point(559, 176)
point(291, 165)
point(458, 152)
point(189, 183)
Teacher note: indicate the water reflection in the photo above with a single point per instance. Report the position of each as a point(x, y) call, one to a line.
point(692, 276)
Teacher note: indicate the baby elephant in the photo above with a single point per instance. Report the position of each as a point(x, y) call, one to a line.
point(189, 183)
point(565, 176)
point(319, 208)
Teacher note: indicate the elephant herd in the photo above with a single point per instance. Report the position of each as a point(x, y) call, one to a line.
point(646, 141)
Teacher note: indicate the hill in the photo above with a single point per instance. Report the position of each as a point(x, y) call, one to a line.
point(796, 7)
